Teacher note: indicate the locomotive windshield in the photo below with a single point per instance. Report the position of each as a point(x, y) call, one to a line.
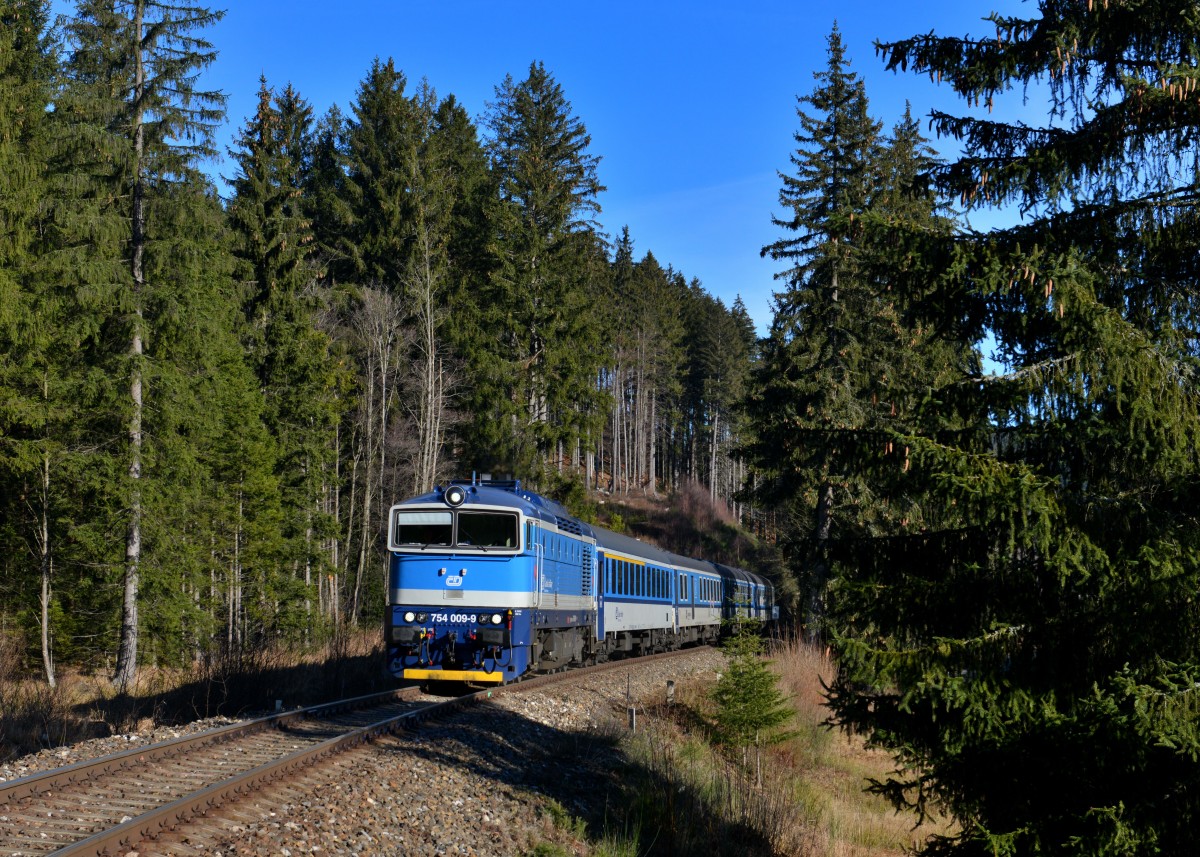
point(487, 529)
point(423, 528)
point(482, 530)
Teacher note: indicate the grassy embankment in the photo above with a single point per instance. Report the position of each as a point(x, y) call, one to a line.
point(678, 793)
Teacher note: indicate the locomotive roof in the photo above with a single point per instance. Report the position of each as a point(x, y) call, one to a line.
point(510, 494)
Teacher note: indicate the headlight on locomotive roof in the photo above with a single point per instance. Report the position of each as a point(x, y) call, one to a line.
point(455, 495)
point(410, 616)
point(497, 618)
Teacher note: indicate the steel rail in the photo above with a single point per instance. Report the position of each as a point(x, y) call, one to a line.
point(54, 779)
point(126, 836)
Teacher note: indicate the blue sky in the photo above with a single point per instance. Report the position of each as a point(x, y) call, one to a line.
point(691, 106)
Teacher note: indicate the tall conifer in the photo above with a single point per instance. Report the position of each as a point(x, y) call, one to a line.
point(38, 367)
point(823, 355)
point(539, 364)
point(1031, 656)
point(298, 372)
point(134, 123)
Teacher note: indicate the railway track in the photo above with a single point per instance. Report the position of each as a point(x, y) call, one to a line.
point(107, 806)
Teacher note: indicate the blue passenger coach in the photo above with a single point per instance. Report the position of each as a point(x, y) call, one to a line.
point(488, 581)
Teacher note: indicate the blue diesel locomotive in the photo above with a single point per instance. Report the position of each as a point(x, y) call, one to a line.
point(488, 581)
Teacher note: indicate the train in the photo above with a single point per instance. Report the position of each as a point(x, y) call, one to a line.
point(489, 582)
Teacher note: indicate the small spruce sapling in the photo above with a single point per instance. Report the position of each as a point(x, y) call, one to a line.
point(751, 709)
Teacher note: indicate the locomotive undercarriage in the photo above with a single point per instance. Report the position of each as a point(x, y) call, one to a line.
point(556, 649)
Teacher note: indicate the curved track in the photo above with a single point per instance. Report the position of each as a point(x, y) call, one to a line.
point(110, 804)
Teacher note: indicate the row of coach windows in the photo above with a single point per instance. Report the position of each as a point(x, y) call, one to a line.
point(703, 588)
point(631, 578)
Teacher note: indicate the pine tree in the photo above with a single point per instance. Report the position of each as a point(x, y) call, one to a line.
point(1031, 655)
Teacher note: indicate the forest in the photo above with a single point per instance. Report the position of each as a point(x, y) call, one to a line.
point(208, 405)
point(980, 449)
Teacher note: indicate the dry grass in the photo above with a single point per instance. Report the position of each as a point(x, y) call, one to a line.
point(831, 769)
point(687, 797)
point(34, 716)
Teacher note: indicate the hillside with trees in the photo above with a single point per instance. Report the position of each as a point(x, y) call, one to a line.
point(207, 405)
point(975, 454)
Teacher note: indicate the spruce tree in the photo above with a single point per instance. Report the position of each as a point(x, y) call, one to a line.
point(827, 347)
point(133, 126)
point(534, 375)
point(324, 198)
point(382, 141)
point(301, 378)
point(38, 367)
point(1031, 655)
point(751, 709)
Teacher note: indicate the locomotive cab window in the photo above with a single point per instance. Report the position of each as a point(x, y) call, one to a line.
point(487, 529)
point(442, 529)
point(423, 528)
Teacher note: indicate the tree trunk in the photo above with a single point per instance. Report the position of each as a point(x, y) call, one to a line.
point(820, 574)
point(712, 460)
point(653, 441)
point(46, 568)
point(127, 653)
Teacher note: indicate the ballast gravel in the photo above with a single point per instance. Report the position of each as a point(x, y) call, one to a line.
point(478, 782)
